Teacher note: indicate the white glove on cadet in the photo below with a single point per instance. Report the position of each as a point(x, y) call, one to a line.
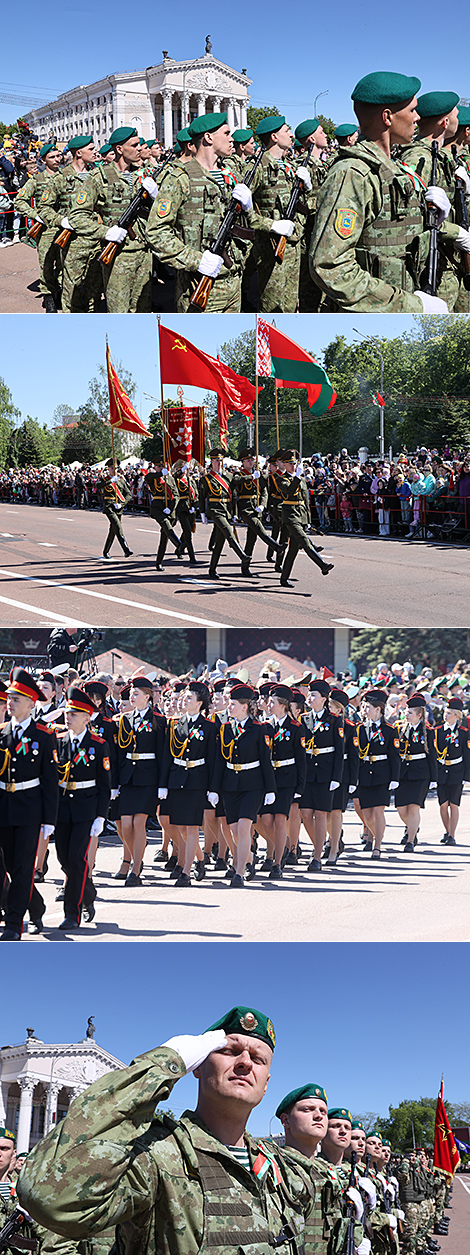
point(66, 224)
point(334, 784)
point(355, 1197)
point(400, 1214)
point(114, 794)
point(255, 474)
point(213, 798)
point(46, 831)
point(97, 826)
point(269, 799)
point(433, 784)
point(392, 1221)
point(393, 785)
point(302, 173)
point(150, 186)
point(436, 197)
point(203, 518)
point(462, 173)
point(463, 241)
point(194, 1050)
point(432, 304)
point(364, 1247)
point(210, 264)
point(352, 788)
point(299, 470)
point(165, 471)
point(163, 793)
point(166, 510)
point(242, 193)
point(283, 226)
point(115, 235)
point(367, 1186)
point(258, 509)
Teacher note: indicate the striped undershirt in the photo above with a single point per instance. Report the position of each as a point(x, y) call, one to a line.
point(240, 1153)
point(218, 176)
point(5, 1190)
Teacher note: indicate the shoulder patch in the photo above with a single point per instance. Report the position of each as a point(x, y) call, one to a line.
point(106, 764)
point(345, 222)
point(341, 731)
point(268, 740)
point(163, 206)
point(396, 743)
point(81, 198)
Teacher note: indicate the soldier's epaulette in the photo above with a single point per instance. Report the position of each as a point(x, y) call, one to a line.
point(296, 722)
point(350, 722)
point(60, 731)
point(100, 739)
point(45, 727)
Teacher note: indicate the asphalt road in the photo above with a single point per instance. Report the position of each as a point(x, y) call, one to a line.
point(457, 1240)
point(51, 572)
point(19, 280)
point(405, 897)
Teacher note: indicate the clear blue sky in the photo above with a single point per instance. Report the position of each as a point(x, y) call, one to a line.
point(291, 56)
point(372, 1024)
point(45, 363)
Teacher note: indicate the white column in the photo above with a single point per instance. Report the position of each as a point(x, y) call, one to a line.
point(201, 105)
point(24, 1121)
point(51, 1107)
point(231, 114)
point(243, 118)
point(184, 109)
point(167, 118)
point(216, 100)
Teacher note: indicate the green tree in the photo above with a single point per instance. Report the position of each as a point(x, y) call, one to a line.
point(98, 395)
point(90, 440)
point(254, 115)
point(8, 415)
point(441, 647)
point(161, 647)
point(327, 124)
point(63, 415)
point(28, 444)
point(412, 1116)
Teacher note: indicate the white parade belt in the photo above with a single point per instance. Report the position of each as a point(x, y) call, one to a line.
point(375, 758)
point(136, 758)
point(450, 762)
point(77, 784)
point(287, 762)
point(326, 749)
point(196, 762)
point(411, 758)
point(243, 766)
point(13, 787)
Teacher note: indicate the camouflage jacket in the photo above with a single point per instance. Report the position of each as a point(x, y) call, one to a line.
point(31, 191)
point(271, 190)
point(100, 204)
point(169, 1187)
point(58, 194)
point(186, 216)
point(330, 1221)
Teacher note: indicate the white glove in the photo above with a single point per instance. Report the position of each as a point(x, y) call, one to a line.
point(162, 793)
point(213, 798)
point(165, 472)
point(258, 509)
point(284, 226)
point(432, 304)
point(210, 264)
point(24, 1213)
point(66, 224)
point(194, 1050)
point(436, 197)
point(363, 1248)
point(97, 826)
point(114, 794)
point(392, 1221)
point(367, 1186)
point(192, 510)
point(242, 193)
point(462, 173)
point(46, 830)
point(297, 795)
point(204, 518)
point(352, 788)
point(150, 186)
point(334, 784)
point(433, 784)
point(41, 220)
point(400, 1214)
point(116, 235)
point(166, 510)
point(355, 1197)
point(390, 1190)
point(393, 785)
point(255, 474)
point(463, 241)
point(299, 470)
point(302, 173)
point(269, 799)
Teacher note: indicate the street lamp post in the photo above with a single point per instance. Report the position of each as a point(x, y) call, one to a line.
point(372, 340)
point(317, 98)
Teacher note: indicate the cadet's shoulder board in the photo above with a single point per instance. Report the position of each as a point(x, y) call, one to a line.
point(45, 727)
point(100, 739)
point(345, 222)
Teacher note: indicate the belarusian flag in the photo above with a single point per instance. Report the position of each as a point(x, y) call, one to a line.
point(279, 357)
point(121, 409)
point(377, 399)
point(446, 1155)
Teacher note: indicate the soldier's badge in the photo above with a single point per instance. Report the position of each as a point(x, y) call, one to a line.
point(163, 207)
point(106, 764)
point(355, 740)
point(81, 198)
point(345, 222)
point(341, 731)
point(44, 197)
point(249, 1022)
point(302, 742)
point(270, 1030)
point(396, 744)
point(268, 740)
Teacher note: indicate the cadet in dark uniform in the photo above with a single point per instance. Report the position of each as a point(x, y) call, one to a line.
point(140, 745)
point(245, 775)
point(337, 701)
point(290, 770)
point(215, 502)
point(103, 726)
point(164, 496)
point(186, 510)
point(250, 494)
point(324, 747)
point(452, 744)
point(28, 797)
point(418, 768)
point(379, 766)
point(114, 495)
point(187, 772)
point(85, 786)
point(293, 518)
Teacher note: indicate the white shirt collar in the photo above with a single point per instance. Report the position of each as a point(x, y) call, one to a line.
point(78, 738)
point(23, 726)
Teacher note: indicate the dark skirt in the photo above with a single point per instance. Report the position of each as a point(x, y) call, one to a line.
point(282, 803)
point(316, 797)
point(243, 805)
point(373, 795)
point(412, 793)
point(340, 798)
point(163, 807)
point(451, 791)
point(137, 799)
point(187, 806)
point(219, 810)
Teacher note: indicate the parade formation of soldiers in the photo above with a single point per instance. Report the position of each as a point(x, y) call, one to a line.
point(216, 758)
point(329, 1179)
point(379, 224)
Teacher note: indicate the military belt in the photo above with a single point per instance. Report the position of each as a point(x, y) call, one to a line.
point(450, 762)
point(375, 758)
point(286, 762)
point(135, 758)
point(196, 762)
point(243, 766)
point(14, 787)
point(411, 758)
point(71, 785)
point(325, 749)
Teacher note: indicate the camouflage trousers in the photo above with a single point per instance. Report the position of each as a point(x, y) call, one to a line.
point(411, 1226)
point(49, 264)
point(310, 297)
point(225, 297)
point(128, 282)
point(278, 282)
point(81, 278)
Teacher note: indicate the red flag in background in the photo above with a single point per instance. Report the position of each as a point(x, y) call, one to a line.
point(326, 674)
point(446, 1155)
point(223, 414)
point(121, 409)
point(182, 362)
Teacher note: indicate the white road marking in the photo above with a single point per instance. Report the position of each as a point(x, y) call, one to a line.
point(47, 544)
point(356, 623)
point(7, 534)
point(120, 601)
point(58, 618)
point(192, 579)
point(466, 1187)
point(152, 530)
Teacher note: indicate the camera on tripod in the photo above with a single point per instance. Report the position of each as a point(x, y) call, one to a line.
point(85, 659)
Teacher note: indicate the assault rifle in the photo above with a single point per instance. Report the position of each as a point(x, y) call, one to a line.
point(35, 231)
point(463, 217)
point(140, 201)
point(10, 1236)
point(298, 187)
point(228, 228)
point(365, 1200)
point(391, 1235)
point(433, 223)
point(349, 1248)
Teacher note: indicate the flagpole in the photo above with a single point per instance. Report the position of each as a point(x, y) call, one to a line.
point(256, 413)
point(161, 403)
point(300, 432)
point(277, 414)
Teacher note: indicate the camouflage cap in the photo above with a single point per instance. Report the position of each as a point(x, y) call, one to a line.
point(242, 136)
point(247, 1020)
point(266, 126)
point(303, 1091)
point(385, 88)
point(436, 104)
point(122, 133)
point(346, 128)
point(304, 129)
point(339, 1113)
point(207, 122)
point(79, 141)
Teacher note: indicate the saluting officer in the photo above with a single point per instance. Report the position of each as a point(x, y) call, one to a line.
point(187, 773)
point(251, 495)
point(85, 787)
point(216, 503)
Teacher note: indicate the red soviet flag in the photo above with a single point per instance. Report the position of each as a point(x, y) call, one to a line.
point(182, 362)
point(121, 409)
point(446, 1155)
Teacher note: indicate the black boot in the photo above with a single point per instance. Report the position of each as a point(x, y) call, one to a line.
point(49, 304)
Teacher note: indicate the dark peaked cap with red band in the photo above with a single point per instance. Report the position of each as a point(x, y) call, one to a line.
point(23, 682)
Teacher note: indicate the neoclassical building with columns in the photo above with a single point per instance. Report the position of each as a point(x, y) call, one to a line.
point(38, 1082)
point(158, 101)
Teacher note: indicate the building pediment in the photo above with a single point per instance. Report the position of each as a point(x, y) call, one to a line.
point(201, 74)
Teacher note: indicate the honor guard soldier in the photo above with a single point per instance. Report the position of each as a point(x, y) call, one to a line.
point(164, 499)
point(274, 502)
point(291, 491)
point(186, 510)
point(216, 504)
point(94, 215)
point(186, 217)
point(452, 744)
point(114, 496)
point(81, 274)
point(370, 238)
point(251, 495)
point(278, 282)
point(48, 253)
point(338, 701)
point(85, 788)
point(244, 145)
point(29, 795)
point(140, 746)
point(379, 766)
point(187, 773)
point(324, 747)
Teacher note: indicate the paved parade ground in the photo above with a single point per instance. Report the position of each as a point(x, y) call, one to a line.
point(459, 1211)
point(423, 896)
point(51, 572)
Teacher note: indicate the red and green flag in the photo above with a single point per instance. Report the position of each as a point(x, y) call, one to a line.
point(282, 359)
point(377, 399)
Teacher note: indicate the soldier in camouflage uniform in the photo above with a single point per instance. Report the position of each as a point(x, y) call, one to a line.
point(370, 240)
point(307, 133)
point(81, 275)
point(244, 145)
point(187, 214)
point(48, 253)
point(94, 215)
point(251, 501)
point(278, 282)
point(412, 1193)
point(176, 1187)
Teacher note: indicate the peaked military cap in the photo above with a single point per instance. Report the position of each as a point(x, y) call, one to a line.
point(289, 455)
point(242, 136)
point(304, 129)
point(338, 695)
point(266, 126)
point(376, 697)
point(3, 691)
point(122, 133)
point(143, 682)
point(95, 686)
point(246, 453)
point(303, 1091)
point(79, 141)
point(346, 128)
point(23, 683)
point(247, 1020)
point(464, 115)
point(105, 149)
point(320, 686)
point(357, 1124)
point(337, 1113)
point(77, 699)
point(217, 452)
point(184, 136)
point(281, 690)
point(207, 122)
point(385, 88)
point(436, 104)
point(243, 692)
point(48, 148)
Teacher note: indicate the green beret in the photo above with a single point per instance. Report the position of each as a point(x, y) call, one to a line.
point(241, 137)
point(464, 116)
point(106, 148)
point(375, 1133)
point(304, 129)
point(47, 148)
point(346, 128)
point(336, 1113)
point(296, 146)
point(184, 136)
point(385, 1142)
point(150, 143)
point(122, 133)
point(142, 140)
point(436, 104)
point(8, 1133)
point(357, 1124)
point(267, 125)
point(207, 122)
point(247, 1020)
point(304, 1091)
point(385, 88)
point(79, 141)
point(177, 149)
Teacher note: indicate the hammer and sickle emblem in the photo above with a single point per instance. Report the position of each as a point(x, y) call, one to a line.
point(179, 345)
